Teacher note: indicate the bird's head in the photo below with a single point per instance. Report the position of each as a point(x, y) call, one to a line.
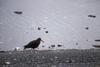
point(40, 39)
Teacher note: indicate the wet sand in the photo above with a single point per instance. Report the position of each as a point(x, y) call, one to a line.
point(51, 58)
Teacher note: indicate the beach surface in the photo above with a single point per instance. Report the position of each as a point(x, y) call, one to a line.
point(50, 58)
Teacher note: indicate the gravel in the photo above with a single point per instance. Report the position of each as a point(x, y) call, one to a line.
point(51, 58)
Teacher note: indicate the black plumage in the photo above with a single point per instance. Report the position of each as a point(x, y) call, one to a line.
point(33, 44)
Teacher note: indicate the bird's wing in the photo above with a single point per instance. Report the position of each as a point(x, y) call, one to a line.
point(32, 42)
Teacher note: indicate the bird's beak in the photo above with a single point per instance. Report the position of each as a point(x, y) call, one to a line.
point(42, 41)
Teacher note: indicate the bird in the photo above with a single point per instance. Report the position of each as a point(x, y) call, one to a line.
point(34, 43)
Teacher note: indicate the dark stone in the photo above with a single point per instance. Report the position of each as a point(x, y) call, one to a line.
point(59, 45)
point(96, 46)
point(52, 45)
point(92, 16)
point(18, 12)
point(2, 51)
point(39, 28)
point(43, 46)
point(98, 40)
point(76, 43)
point(46, 31)
point(69, 61)
point(44, 28)
point(86, 28)
point(48, 47)
point(87, 40)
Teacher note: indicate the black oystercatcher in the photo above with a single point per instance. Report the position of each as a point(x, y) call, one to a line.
point(33, 44)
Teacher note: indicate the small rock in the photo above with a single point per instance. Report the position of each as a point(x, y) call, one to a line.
point(36, 52)
point(59, 45)
point(7, 63)
point(68, 61)
point(76, 43)
point(44, 28)
point(17, 49)
point(92, 16)
point(39, 28)
point(48, 47)
point(87, 40)
point(86, 28)
point(43, 57)
point(18, 12)
point(51, 59)
point(43, 46)
point(2, 51)
point(98, 40)
point(15, 59)
point(10, 52)
point(73, 61)
point(52, 45)
point(56, 57)
point(46, 31)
